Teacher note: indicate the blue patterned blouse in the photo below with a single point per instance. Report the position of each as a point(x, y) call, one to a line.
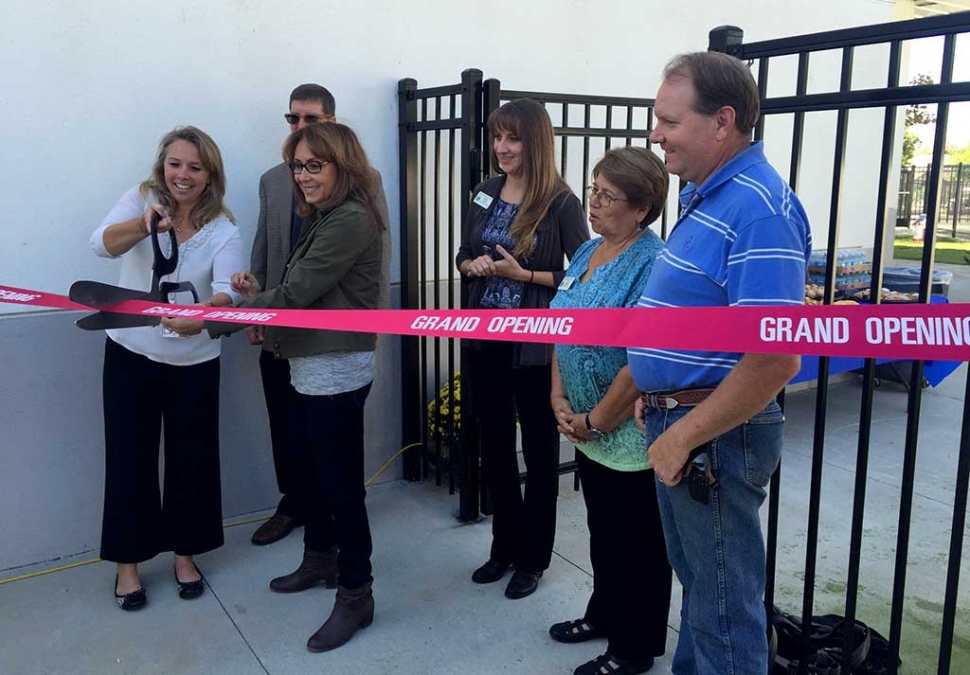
point(501, 292)
point(587, 372)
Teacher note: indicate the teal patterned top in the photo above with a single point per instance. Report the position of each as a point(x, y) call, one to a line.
point(587, 372)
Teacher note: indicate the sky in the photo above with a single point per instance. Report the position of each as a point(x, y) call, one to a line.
point(926, 56)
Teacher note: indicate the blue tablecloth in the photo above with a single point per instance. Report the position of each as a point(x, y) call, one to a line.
point(934, 371)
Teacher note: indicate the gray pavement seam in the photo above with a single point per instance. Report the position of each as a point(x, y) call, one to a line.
point(236, 626)
point(672, 627)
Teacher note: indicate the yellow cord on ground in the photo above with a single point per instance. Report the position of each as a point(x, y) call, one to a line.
point(388, 462)
point(239, 522)
point(51, 571)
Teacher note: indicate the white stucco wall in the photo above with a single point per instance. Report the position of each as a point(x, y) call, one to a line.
point(88, 88)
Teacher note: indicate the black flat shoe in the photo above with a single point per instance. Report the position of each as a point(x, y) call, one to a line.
point(522, 584)
point(131, 601)
point(607, 664)
point(572, 632)
point(190, 590)
point(490, 572)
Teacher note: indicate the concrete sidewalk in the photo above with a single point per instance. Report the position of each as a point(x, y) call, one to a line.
point(430, 617)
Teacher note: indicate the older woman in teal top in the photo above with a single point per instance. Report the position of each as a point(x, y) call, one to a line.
point(593, 396)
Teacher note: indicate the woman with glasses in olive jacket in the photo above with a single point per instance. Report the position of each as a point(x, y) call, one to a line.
point(336, 265)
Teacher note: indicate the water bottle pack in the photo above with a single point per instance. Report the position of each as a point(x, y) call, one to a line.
point(852, 270)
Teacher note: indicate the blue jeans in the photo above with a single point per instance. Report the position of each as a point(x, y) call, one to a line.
point(717, 549)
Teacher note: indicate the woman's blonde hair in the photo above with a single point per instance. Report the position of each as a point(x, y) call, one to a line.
point(210, 205)
point(641, 175)
point(530, 122)
point(336, 143)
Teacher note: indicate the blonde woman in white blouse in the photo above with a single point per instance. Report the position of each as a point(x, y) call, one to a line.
point(167, 373)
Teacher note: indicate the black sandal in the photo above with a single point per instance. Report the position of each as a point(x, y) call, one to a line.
point(608, 664)
point(572, 632)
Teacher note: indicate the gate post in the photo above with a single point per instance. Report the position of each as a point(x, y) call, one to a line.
point(729, 40)
point(491, 100)
point(957, 192)
point(471, 174)
point(726, 39)
point(411, 431)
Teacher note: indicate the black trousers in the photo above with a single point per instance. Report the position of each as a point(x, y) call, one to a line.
point(140, 395)
point(277, 391)
point(329, 437)
point(631, 574)
point(523, 529)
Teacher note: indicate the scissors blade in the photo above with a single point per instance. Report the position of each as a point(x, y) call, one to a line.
point(99, 295)
point(105, 320)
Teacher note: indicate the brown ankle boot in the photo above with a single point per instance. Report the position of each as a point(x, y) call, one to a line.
point(353, 609)
point(317, 567)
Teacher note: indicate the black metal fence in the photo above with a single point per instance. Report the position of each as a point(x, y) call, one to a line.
point(954, 201)
point(440, 163)
point(844, 101)
point(443, 154)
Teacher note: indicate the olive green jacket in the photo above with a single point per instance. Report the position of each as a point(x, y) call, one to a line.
point(335, 265)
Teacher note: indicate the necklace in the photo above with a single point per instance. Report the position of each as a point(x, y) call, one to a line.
point(183, 225)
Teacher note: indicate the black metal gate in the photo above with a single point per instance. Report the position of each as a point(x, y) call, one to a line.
point(434, 199)
point(438, 172)
point(435, 194)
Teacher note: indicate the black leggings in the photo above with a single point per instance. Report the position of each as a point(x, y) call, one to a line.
point(329, 438)
point(631, 575)
point(139, 395)
point(523, 529)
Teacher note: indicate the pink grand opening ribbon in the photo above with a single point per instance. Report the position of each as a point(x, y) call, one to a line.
point(935, 332)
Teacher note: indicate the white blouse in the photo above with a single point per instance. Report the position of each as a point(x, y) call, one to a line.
point(207, 259)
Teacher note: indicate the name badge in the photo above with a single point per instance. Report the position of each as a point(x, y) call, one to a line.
point(483, 200)
point(567, 283)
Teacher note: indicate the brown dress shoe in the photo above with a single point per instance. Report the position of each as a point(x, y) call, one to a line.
point(317, 568)
point(352, 610)
point(274, 529)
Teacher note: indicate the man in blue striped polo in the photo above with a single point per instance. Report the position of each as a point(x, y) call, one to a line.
point(713, 428)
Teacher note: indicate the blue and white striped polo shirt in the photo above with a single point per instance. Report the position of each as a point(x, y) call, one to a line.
point(743, 239)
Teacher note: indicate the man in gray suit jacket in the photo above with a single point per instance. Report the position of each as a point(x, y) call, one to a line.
point(277, 233)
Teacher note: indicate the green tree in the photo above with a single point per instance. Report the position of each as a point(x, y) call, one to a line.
point(955, 155)
point(910, 141)
point(916, 114)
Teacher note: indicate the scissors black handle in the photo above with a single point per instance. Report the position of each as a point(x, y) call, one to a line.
point(163, 265)
point(178, 287)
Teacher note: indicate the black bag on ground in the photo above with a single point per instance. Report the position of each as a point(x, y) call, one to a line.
point(870, 650)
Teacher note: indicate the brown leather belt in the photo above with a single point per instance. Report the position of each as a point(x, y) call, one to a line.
point(666, 401)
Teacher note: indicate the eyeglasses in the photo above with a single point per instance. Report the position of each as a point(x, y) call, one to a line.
point(604, 198)
point(312, 166)
point(293, 118)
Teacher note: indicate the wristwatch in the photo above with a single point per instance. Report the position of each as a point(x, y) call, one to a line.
point(594, 433)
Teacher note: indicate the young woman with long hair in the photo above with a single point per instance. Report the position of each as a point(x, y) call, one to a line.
point(521, 226)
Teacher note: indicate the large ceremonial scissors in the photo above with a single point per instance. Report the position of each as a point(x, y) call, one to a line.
point(102, 296)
